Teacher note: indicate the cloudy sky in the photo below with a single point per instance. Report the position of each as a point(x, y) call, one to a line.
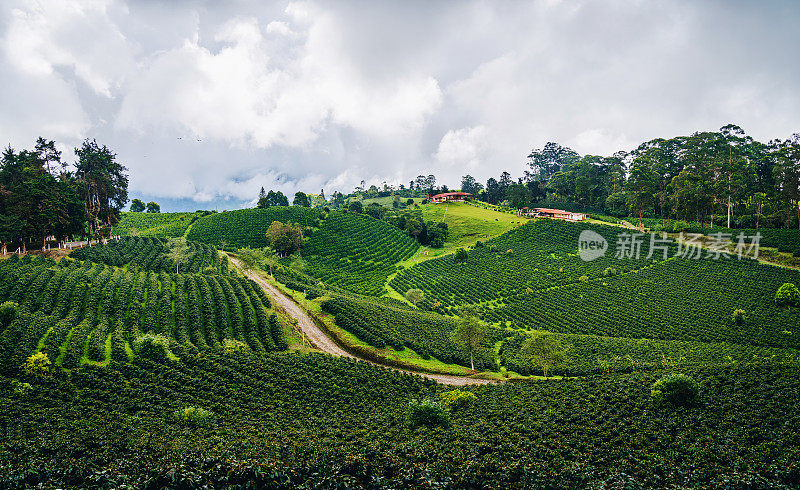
point(206, 102)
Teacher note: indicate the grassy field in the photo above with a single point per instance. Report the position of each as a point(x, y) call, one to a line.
point(467, 225)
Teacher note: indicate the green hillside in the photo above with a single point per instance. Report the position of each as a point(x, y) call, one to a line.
point(248, 227)
point(356, 252)
point(150, 254)
point(381, 324)
point(79, 312)
point(156, 224)
point(538, 255)
point(312, 421)
point(467, 224)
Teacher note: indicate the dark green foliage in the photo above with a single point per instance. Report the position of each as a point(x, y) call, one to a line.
point(383, 323)
point(98, 304)
point(8, 312)
point(543, 254)
point(787, 296)
point(592, 354)
point(149, 254)
point(248, 227)
point(356, 207)
point(155, 347)
point(677, 390)
point(428, 413)
point(675, 300)
point(356, 252)
point(115, 425)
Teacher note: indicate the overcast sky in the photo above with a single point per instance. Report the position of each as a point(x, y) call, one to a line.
point(205, 102)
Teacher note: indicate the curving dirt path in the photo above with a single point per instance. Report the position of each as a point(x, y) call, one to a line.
point(321, 341)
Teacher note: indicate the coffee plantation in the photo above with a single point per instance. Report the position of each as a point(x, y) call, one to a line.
point(150, 254)
point(152, 378)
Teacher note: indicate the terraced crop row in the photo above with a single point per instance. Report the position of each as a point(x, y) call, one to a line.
point(382, 325)
point(677, 300)
point(593, 354)
point(357, 252)
point(162, 225)
point(248, 227)
point(598, 432)
point(82, 311)
point(150, 254)
point(536, 256)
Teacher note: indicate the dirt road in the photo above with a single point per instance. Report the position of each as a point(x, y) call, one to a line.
point(323, 342)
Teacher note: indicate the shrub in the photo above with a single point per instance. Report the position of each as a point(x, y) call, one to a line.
point(583, 278)
point(194, 417)
point(479, 244)
point(37, 364)
point(675, 389)
point(610, 271)
point(20, 389)
point(738, 316)
point(427, 412)
point(234, 347)
point(8, 312)
point(153, 346)
point(313, 294)
point(457, 399)
point(787, 295)
point(680, 226)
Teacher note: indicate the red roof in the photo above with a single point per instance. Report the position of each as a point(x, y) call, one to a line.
point(548, 210)
point(452, 194)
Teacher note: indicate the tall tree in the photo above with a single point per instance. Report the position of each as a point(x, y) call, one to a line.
point(787, 175)
point(103, 184)
point(178, 251)
point(468, 184)
point(301, 199)
point(470, 332)
point(137, 206)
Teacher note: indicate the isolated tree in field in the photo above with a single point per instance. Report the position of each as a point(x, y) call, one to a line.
point(250, 258)
point(153, 207)
point(301, 199)
point(222, 245)
point(787, 296)
point(544, 352)
point(179, 251)
point(269, 259)
point(415, 296)
point(103, 185)
point(469, 333)
point(414, 228)
point(137, 206)
point(460, 256)
point(285, 238)
point(356, 207)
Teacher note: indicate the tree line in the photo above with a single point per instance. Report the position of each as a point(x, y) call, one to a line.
point(720, 177)
point(43, 198)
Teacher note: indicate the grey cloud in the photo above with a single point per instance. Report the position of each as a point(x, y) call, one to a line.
point(302, 96)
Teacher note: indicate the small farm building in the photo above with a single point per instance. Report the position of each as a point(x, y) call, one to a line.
point(553, 214)
point(450, 197)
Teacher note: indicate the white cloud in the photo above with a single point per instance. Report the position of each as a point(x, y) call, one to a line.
point(306, 95)
point(463, 147)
